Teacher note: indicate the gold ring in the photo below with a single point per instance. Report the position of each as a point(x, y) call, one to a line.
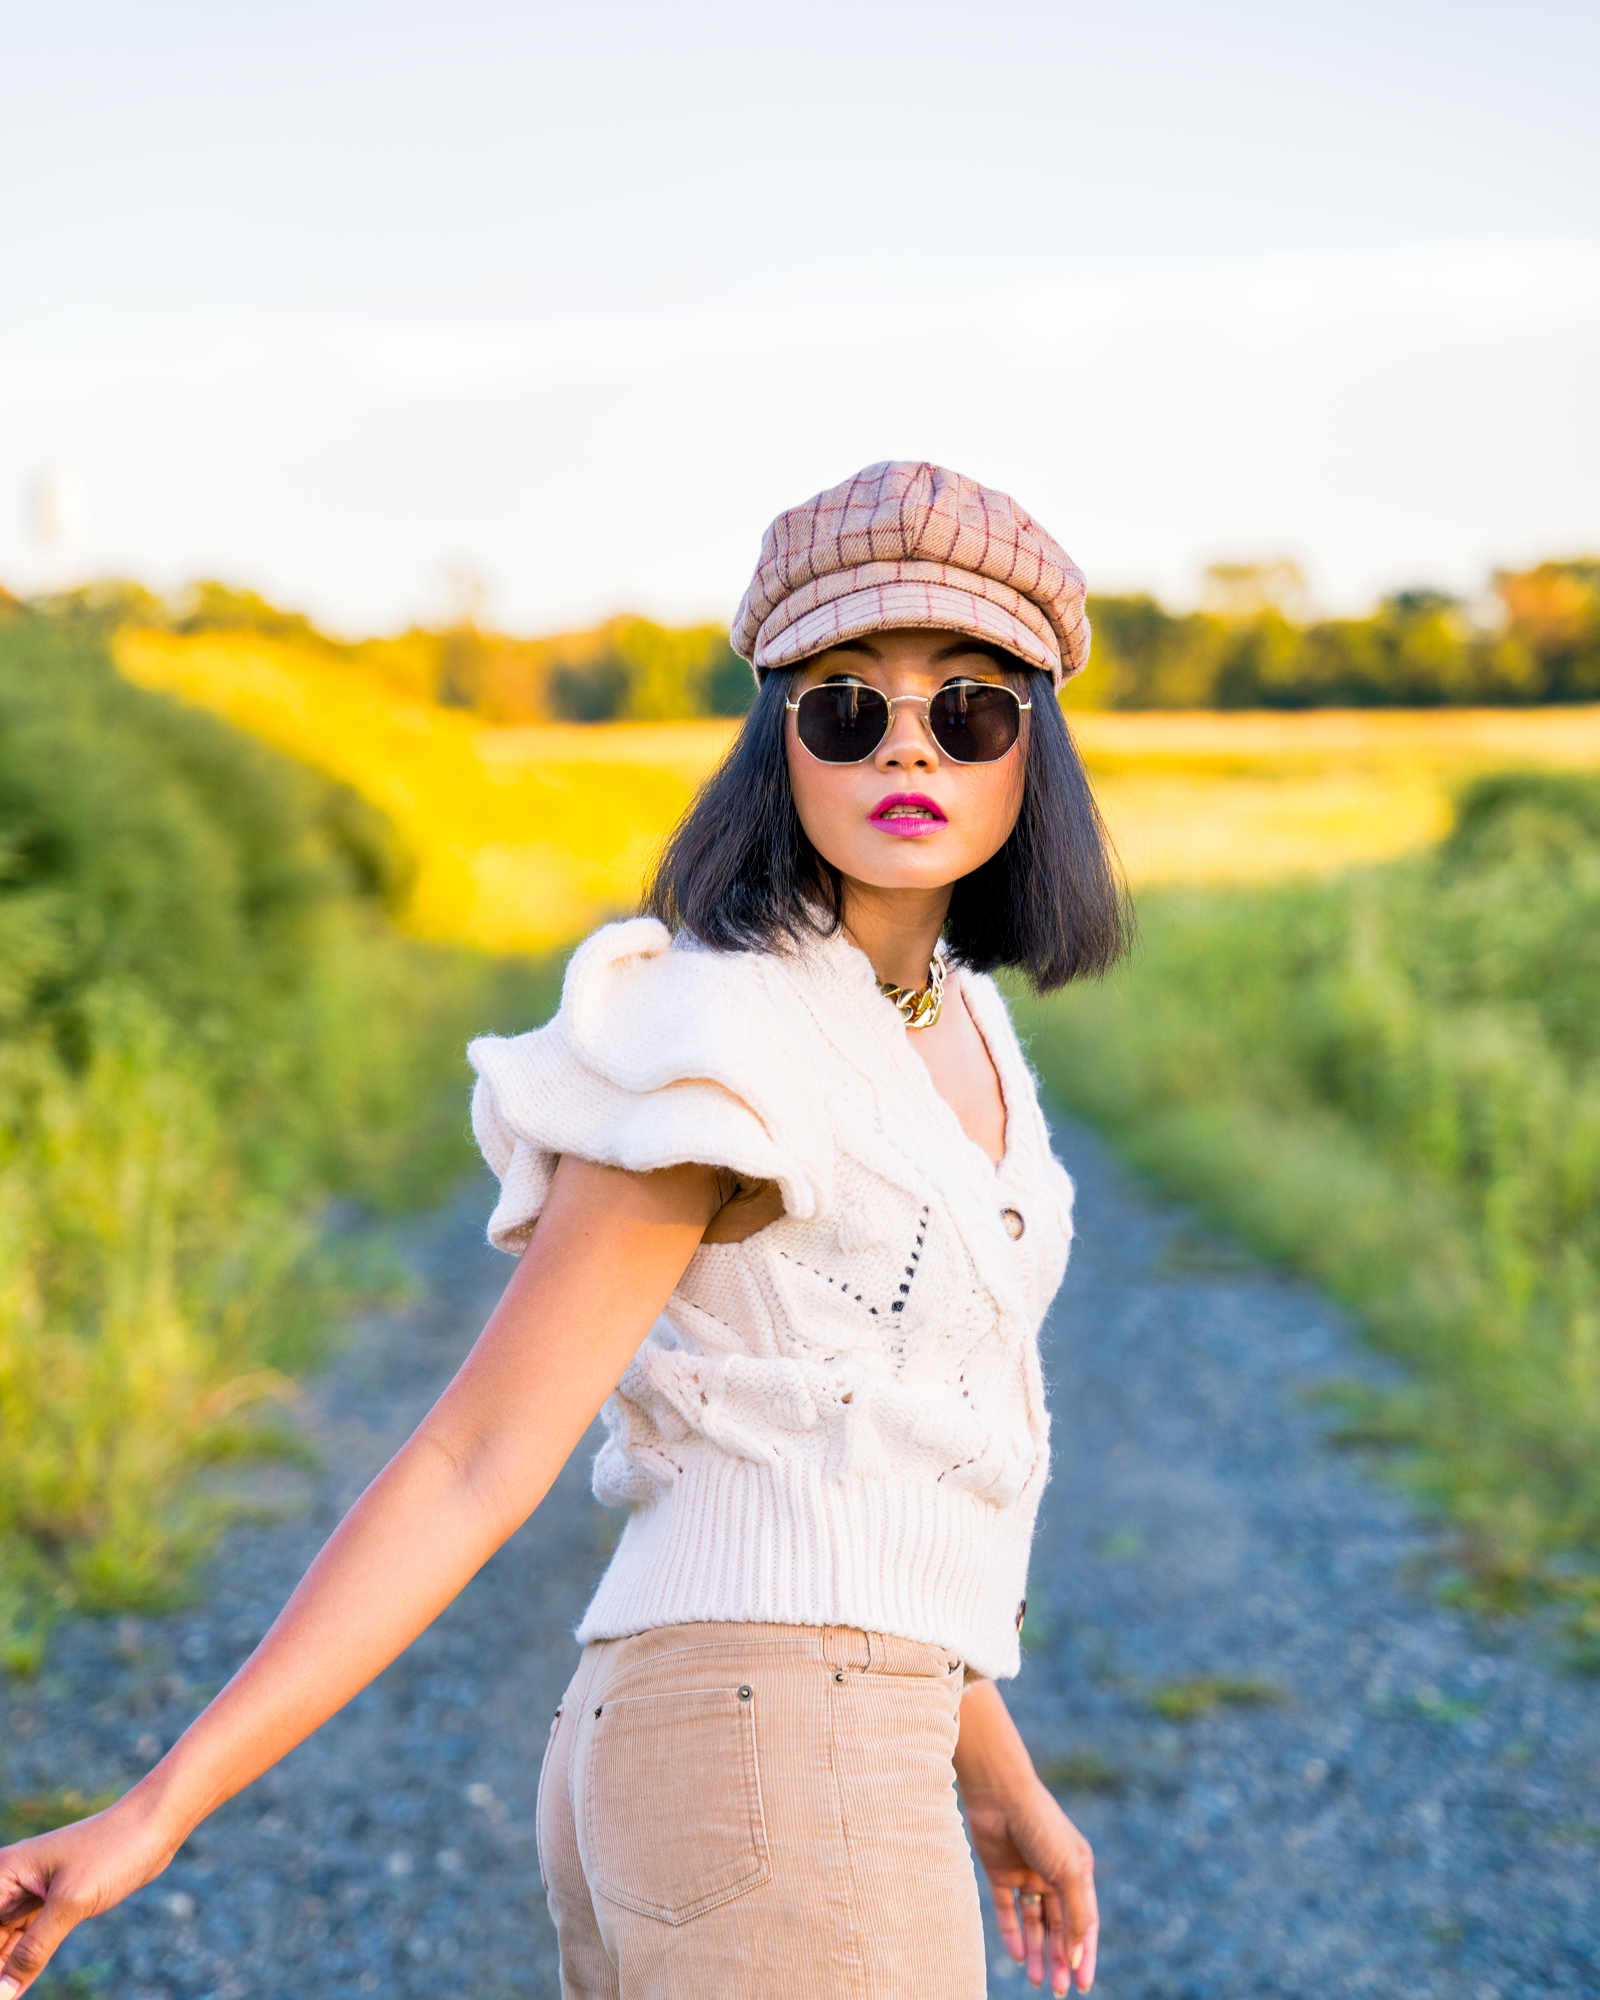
point(1029, 1901)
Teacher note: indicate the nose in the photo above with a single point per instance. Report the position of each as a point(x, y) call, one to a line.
point(908, 744)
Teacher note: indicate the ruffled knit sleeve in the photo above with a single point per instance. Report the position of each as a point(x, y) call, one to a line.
point(661, 1053)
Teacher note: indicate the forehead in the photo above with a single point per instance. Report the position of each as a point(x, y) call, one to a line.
point(913, 650)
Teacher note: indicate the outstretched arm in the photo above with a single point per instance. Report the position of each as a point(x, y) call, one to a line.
point(608, 1251)
point(1030, 1850)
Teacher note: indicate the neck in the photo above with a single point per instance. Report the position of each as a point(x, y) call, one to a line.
point(896, 928)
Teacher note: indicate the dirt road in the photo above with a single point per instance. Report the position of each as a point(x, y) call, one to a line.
point(1301, 1774)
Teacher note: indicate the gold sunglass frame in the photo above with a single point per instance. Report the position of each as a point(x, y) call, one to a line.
point(895, 701)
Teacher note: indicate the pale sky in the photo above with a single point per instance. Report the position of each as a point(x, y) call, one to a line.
point(337, 300)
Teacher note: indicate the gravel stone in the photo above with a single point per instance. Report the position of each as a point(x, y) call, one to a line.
point(1301, 1774)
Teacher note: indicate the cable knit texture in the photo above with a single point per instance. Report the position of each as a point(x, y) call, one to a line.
point(839, 1421)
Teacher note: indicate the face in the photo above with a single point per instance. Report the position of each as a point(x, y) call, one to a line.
point(908, 817)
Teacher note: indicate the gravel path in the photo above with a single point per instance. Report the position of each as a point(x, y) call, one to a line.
point(1300, 1775)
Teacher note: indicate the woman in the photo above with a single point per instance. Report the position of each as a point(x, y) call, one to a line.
point(797, 1225)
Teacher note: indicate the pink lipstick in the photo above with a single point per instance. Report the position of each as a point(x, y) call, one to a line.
point(907, 813)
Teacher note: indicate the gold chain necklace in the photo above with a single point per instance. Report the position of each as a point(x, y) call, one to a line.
point(918, 1006)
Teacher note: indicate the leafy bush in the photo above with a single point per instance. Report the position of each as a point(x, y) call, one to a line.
point(594, 691)
point(207, 1027)
point(1392, 1081)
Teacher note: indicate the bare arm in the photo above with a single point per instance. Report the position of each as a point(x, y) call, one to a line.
point(608, 1251)
point(1028, 1847)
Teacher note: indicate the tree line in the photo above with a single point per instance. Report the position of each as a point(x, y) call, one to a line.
point(1247, 648)
point(1535, 638)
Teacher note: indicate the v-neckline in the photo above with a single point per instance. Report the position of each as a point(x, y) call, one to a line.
point(1007, 1150)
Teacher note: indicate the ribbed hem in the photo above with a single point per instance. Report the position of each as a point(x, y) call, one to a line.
point(737, 1542)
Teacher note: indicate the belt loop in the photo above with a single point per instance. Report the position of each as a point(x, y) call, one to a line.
point(842, 1648)
point(874, 1653)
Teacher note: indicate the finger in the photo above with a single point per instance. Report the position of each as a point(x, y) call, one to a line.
point(1072, 1953)
point(1058, 1944)
point(35, 1948)
point(1084, 1955)
point(1082, 1950)
point(17, 1905)
point(1005, 1916)
point(1079, 1918)
point(1032, 1901)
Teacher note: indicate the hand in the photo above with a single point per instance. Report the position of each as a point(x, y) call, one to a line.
point(1033, 1854)
point(48, 1885)
point(1030, 1850)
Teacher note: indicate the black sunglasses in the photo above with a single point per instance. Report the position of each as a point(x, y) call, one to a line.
point(972, 722)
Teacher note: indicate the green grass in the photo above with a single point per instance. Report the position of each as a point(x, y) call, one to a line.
point(1083, 1771)
point(87, 1982)
point(1187, 1701)
point(43, 1812)
point(1391, 1082)
point(208, 1031)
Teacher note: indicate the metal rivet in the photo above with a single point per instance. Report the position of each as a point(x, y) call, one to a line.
point(1012, 1218)
point(840, 1675)
point(597, 1711)
point(744, 1694)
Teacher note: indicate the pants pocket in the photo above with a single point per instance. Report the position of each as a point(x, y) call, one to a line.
point(670, 1801)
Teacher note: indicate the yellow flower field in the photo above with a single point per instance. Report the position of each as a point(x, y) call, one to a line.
point(527, 836)
point(1229, 797)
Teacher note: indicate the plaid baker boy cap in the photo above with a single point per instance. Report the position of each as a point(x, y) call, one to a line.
point(907, 543)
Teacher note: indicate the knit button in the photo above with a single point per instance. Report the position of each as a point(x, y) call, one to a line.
point(1012, 1218)
point(744, 1694)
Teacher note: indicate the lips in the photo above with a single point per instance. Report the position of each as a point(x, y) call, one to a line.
point(908, 813)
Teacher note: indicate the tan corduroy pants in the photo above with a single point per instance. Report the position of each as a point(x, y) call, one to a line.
point(744, 1810)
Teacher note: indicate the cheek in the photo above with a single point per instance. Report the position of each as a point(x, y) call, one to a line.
point(993, 800)
point(823, 796)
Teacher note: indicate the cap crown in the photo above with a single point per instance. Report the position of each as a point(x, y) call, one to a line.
point(902, 523)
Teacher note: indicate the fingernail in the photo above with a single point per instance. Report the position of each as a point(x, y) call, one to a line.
point(1077, 1958)
point(10, 1988)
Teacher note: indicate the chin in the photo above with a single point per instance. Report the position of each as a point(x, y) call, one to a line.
point(918, 869)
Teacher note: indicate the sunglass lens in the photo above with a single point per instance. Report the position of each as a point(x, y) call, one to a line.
point(841, 722)
point(975, 722)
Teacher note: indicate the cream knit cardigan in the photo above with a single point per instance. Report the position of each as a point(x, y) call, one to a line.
point(839, 1421)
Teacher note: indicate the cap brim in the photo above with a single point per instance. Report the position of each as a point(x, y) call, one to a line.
point(890, 607)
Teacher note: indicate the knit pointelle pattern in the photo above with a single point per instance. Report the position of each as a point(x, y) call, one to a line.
point(839, 1421)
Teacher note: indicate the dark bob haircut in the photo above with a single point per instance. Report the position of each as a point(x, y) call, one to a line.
point(740, 874)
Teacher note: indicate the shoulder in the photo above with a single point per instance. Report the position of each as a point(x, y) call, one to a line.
point(638, 1004)
point(661, 1052)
